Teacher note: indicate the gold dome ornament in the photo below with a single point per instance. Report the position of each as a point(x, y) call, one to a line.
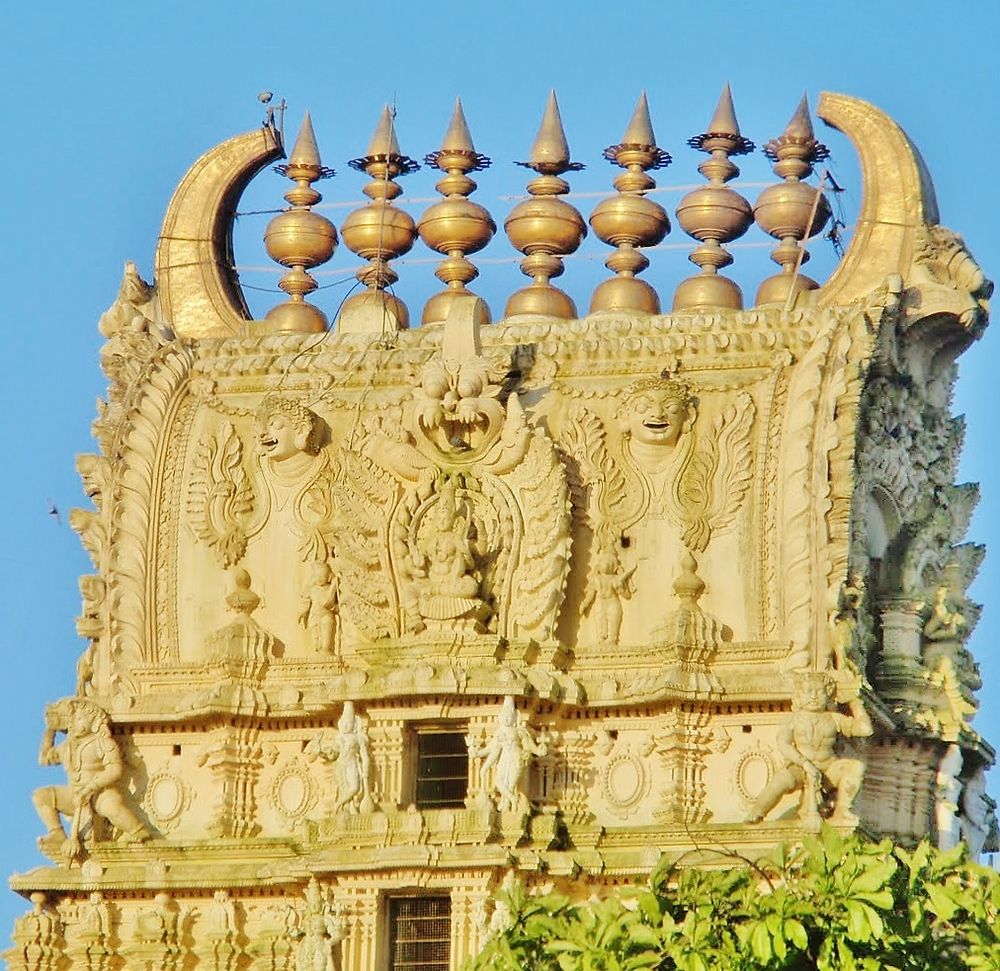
point(300, 239)
point(544, 227)
point(379, 232)
point(714, 214)
point(791, 211)
point(630, 220)
point(455, 226)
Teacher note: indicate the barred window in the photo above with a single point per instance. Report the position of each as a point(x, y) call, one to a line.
point(419, 933)
point(442, 769)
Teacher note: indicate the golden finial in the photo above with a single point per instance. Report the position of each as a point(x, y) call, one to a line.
point(543, 226)
point(379, 232)
point(630, 220)
point(714, 214)
point(791, 211)
point(458, 138)
point(550, 148)
point(455, 226)
point(299, 238)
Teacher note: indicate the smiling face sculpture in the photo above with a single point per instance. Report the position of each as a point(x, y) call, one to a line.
point(285, 428)
point(657, 411)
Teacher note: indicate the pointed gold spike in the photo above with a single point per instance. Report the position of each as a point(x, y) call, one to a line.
point(640, 128)
point(550, 146)
point(724, 120)
point(800, 126)
point(305, 151)
point(458, 138)
point(384, 140)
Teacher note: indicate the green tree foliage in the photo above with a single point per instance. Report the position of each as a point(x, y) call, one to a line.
point(831, 903)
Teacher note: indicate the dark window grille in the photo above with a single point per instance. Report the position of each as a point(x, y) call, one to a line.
point(419, 933)
point(442, 770)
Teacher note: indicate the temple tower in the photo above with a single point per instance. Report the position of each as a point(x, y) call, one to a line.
point(382, 617)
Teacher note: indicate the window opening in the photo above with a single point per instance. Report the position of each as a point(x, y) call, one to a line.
point(419, 933)
point(442, 770)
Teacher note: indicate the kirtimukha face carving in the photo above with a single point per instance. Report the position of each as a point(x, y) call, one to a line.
point(658, 416)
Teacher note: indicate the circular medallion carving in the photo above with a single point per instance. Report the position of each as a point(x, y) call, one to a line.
point(293, 792)
point(753, 772)
point(167, 796)
point(625, 783)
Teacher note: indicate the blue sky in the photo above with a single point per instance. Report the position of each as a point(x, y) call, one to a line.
point(106, 105)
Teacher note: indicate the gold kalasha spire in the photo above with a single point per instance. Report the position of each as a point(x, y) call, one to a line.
point(458, 138)
point(305, 151)
point(455, 226)
point(791, 210)
point(724, 120)
point(629, 220)
point(544, 226)
point(379, 232)
point(550, 148)
point(715, 214)
point(640, 128)
point(299, 238)
point(383, 141)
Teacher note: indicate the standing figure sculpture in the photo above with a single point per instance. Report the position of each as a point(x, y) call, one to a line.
point(348, 753)
point(319, 607)
point(609, 585)
point(94, 770)
point(507, 752)
point(807, 742)
point(322, 932)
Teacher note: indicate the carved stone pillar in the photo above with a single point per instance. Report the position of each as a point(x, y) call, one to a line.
point(234, 757)
point(38, 938)
point(217, 934)
point(578, 748)
point(901, 630)
point(466, 905)
point(480, 728)
point(360, 906)
point(682, 742)
point(89, 942)
point(387, 740)
point(153, 941)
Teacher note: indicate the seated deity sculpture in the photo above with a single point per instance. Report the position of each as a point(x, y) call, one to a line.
point(807, 742)
point(450, 588)
point(94, 770)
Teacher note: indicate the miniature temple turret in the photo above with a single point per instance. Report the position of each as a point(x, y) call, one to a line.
point(629, 220)
point(545, 227)
point(300, 239)
point(792, 210)
point(455, 226)
point(715, 214)
point(379, 232)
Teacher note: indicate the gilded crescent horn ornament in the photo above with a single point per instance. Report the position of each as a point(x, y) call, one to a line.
point(897, 199)
point(195, 274)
